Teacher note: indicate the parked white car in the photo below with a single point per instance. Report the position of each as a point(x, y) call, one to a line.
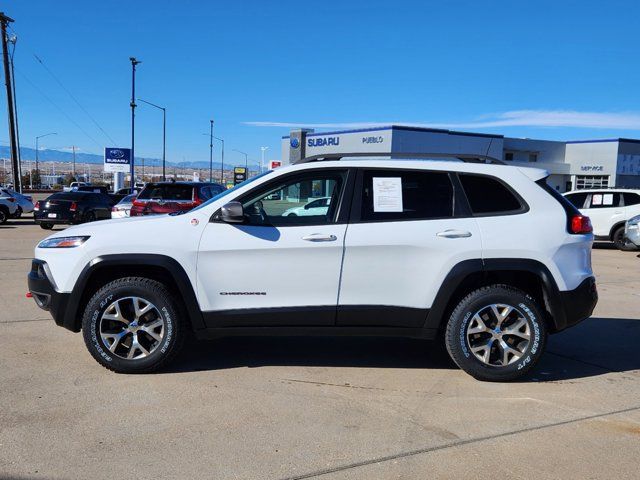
point(74, 185)
point(489, 255)
point(609, 210)
point(25, 202)
point(122, 209)
point(8, 208)
point(319, 206)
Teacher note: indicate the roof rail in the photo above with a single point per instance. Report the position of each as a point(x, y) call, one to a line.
point(465, 157)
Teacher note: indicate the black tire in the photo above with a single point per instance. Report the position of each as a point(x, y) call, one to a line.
point(292, 215)
point(18, 212)
point(166, 308)
point(462, 319)
point(46, 226)
point(622, 243)
point(89, 217)
point(4, 215)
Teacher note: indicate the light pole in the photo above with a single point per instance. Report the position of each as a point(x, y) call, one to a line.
point(134, 62)
point(246, 160)
point(211, 153)
point(221, 161)
point(262, 149)
point(37, 149)
point(13, 39)
point(164, 134)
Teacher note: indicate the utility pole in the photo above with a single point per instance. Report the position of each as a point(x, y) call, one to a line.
point(211, 153)
point(74, 161)
point(262, 149)
point(164, 134)
point(13, 40)
point(4, 20)
point(134, 62)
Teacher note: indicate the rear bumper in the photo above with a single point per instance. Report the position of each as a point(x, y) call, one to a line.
point(578, 304)
point(62, 218)
point(45, 294)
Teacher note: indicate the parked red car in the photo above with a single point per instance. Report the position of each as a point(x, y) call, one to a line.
point(168, 197)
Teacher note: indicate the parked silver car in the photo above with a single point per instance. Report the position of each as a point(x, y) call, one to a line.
point(25, 202)
point(632, 230)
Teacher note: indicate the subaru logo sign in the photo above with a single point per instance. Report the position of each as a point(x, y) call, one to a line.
point(295, 143)
point(116, 153)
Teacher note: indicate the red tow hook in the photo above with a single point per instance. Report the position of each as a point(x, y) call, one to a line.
point(28, 295)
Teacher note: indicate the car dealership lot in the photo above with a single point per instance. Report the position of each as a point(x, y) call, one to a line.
point(327, 408)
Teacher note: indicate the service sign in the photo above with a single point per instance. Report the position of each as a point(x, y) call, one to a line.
point(274, 164)
point(117, 160)
point(239, 175)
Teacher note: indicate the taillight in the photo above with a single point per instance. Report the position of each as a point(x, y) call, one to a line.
point(581, 224)
point(36, 207)
point(114, 209)
point(73, 207)
point(137, 203)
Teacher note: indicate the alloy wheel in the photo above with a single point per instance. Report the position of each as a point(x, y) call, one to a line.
point(132, 328)
point(498, 334)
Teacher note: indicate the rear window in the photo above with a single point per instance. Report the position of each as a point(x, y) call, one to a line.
point(631, 198)
point(425, 195)
point(71, 196)
point(488, 195)
point(167, 192)
point(577, 199)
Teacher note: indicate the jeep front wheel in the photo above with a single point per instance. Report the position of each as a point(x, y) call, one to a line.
point(133, 325)
point(496, 333)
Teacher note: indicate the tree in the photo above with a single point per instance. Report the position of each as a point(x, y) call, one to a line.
point(68, 178)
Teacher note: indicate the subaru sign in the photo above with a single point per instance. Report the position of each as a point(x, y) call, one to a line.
point(117, 160)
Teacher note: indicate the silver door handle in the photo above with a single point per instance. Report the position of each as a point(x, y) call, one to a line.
point(454, 234)
point(320, 237)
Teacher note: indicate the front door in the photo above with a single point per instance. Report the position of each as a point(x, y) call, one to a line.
point(282, 265)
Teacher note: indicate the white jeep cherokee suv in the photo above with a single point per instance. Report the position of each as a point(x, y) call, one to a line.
point(609, 210)
point(487, 255)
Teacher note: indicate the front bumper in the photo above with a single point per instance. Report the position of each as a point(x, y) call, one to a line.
point(45, 295)
point(578, 304)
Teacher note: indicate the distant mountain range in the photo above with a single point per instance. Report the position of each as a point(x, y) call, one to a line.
point(29, 154)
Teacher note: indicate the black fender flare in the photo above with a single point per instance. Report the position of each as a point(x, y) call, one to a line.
point(464, 269)
point(164, 262)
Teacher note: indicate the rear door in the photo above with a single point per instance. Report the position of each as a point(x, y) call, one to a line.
point(605, 209)
point(406, 233)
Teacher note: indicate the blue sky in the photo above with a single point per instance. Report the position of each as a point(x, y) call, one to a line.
point(546, 69)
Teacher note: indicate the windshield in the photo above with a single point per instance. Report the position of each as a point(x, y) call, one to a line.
point(227, 192)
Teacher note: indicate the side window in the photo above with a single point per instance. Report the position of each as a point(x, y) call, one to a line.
point(631, 198)
point(287, 203)
point(577, 199)
point(406, 195)
point(487, 195)
point(604, 200)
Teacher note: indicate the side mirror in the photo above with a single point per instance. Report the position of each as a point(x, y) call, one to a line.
point(232, 212)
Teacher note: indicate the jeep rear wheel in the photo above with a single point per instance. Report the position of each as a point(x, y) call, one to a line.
point(496, 333)
point(133, 325)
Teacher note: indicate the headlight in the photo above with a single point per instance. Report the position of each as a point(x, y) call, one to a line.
point(634, 220)
point(62, 242)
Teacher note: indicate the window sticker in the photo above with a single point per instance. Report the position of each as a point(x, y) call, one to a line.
point(607, 199)
point(387, 194)
point(596, 199)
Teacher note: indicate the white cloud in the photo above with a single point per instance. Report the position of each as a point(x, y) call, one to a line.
point(515, 118)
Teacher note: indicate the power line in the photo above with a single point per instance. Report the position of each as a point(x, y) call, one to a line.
point(74, 98)
point(59, 108)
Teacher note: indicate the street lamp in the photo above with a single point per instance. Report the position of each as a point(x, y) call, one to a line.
point(164, 133)
point(221, 161)
point(211, 153)
point(246, 160)
point(262, 149)
point(37, 172)
point(134, 62)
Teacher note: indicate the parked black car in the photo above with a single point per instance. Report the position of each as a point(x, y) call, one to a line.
point(71, 208)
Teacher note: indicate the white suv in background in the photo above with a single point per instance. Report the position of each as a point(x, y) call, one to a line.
point(609, 210)
point(488, 258)
point(8, 208)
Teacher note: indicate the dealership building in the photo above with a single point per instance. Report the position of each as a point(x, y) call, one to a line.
point(571, 165)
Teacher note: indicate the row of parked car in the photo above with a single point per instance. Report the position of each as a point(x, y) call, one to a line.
point(87, 203)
